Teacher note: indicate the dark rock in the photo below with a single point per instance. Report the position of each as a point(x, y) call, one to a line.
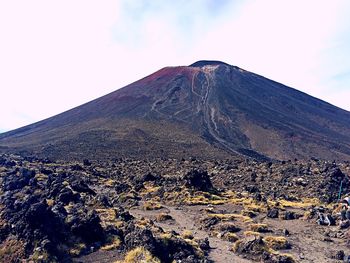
point(103, 200)
point(289, 215)
point(251, 246)
point(76, 167)
point(4, 231)
point(33, 182)
point(82, 187)
point(59, 210)
point(36, 214)
point(198, 180)
point(46, 171)
point(10, 163)
point(329, 188)
point(253, 177)
point(138, 186)
point(208, 222)
point(121, 188)
point(273, 213)
point(148, 177)
point(252, 189)
point(228, 228)
point(141, 237)
point(114, 231)
point(47, 245)
point(337, 255)
point(12, 181)
point(160, 192)
point(66, 195)
point(126, 216)
point(257, 197)
point(277, 258)
point(177, 249)
point(39, 222)
point(88, 228)
point(86, 162)
point(204, 244)
point(286, 232)
point(2, 160)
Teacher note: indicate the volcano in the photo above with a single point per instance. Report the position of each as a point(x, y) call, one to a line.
point(209, 109)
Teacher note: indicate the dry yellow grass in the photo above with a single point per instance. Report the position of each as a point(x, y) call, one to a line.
point(195, 245)
point(165, 235)
point(143, 222)
point(304, 203)
point(202, 198)
point(234, 198)
point(276, 242)
point(231, 237)
point(149, 188)
point(150, 205)
point(256, 207)
point(307, 215)
point(77, 249)
point(109, 183)
point(288, 258)
point(113, 243)
point(41, 177)
point(236, 245)
point(139, 255)
point(258, 228)
point(249, 213)
point(163, 217)
point(251, 233)
point(50, 202)
point(69, 207)
point(187, 234)
point(108, 216)
point(40, 256)
point(231, 217)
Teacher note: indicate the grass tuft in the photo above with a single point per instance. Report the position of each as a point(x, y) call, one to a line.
point(276, 242)
point(113, 243)
point(140, 255)
point(261, 228)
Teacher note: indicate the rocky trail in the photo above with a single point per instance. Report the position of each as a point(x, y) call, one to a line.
point(309, 241)
point(185, 219)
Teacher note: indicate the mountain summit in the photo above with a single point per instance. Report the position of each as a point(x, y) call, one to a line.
point(209, 109)
point(202, 63)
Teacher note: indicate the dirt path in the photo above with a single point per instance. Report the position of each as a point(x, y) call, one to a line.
point(309, 242)
point(185, 219)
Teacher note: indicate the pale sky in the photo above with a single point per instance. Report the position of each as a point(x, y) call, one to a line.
point(55, 55)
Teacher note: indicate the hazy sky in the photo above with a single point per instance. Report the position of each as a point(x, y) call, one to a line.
point(55, 55)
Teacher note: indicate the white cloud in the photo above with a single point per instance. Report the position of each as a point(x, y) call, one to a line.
point(58, 54)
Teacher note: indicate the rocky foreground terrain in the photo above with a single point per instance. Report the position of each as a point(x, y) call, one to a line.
point(169, 210)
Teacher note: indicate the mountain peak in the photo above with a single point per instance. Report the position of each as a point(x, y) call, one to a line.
point(202, 63)
point(208, 110)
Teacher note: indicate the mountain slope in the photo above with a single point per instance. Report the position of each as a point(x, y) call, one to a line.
point(208, 109)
